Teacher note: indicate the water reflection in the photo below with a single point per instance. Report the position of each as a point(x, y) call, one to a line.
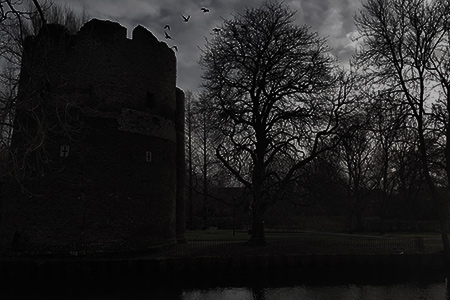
point(426, 287)
point(219, 293)
point(413, 291)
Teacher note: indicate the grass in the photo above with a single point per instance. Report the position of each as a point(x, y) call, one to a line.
point(316, 242)
point(195, 235)
point(242, 235)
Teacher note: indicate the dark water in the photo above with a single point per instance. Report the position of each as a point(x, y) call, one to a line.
point(403, 291)
point(360, 287)
point(435, 291)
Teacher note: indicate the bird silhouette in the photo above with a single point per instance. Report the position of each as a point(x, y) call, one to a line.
point(175, 48)
point(167, 36)
point(186, 19)
point(204, 9)
point(167, 27)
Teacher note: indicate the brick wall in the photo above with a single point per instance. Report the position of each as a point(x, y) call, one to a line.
point(113, 101)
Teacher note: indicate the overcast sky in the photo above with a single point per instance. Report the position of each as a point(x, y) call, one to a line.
point(332, 19)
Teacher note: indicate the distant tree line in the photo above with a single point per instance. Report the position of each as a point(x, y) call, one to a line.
point(287, 124)
point(374, 172)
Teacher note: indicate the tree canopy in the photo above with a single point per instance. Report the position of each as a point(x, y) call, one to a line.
point(405, 46)
point(272, 87)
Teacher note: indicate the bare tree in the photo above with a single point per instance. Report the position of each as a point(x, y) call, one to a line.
point(356, 156)
point(272, 90)
point(189, 98)
point(407, 168)
point(387, 115)
point(205, 171)
point(402, 49)
point(206, 161)
point(19, 20)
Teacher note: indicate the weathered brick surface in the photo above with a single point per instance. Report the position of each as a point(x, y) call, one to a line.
point(105, 191)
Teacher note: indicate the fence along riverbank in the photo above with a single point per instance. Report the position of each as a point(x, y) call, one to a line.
point(287, 245)
point(220, 260)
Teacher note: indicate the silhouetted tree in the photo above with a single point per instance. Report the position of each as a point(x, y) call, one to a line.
point(387, 115)
point(404, 49)
point(205, 150)
point(189, 98)
point(356, 156)
point(205, 171)
point(272, 88)
point(407, 168)
point(17, 21)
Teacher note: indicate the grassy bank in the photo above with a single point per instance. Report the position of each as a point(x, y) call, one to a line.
point(319, 242)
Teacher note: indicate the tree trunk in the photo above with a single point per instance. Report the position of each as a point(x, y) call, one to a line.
point(41, 13)
point(205, 178)
point(440, 204)
point(443, 218)
point(384, 196)
point(445, 202)
point(258, 236)
point(1, 199)
point(190, 201)
point(358, 216)
point(258, 233)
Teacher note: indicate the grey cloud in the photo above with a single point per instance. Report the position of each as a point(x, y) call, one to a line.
point(190, 36)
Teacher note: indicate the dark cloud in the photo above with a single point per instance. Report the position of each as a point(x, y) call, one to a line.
point(331, 18)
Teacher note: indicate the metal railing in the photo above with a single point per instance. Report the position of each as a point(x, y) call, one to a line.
point(295, 245)
point(303, 245)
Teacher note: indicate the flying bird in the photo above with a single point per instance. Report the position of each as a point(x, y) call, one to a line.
point(167, 36)
point(167, 27)
point(186, 19)
point(204, 9)
point(175, 48)
point(216, 30)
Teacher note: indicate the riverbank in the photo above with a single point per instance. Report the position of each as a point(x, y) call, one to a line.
point(159, 278)
point(212, 261)
point(215, 269)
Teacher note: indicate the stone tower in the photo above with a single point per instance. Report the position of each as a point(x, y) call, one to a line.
point(107, 172)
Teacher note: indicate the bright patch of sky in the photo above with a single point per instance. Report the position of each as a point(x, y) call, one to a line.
point(332, 19)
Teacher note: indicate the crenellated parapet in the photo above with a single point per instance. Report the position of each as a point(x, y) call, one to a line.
point(114, 138)
point(101, 61)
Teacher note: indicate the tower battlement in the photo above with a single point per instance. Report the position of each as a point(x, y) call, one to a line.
point(137, 73)
point(115, 137)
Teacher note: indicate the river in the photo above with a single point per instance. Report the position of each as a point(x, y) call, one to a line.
point(406, 291)
point(416, 290)
point(362, 285)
